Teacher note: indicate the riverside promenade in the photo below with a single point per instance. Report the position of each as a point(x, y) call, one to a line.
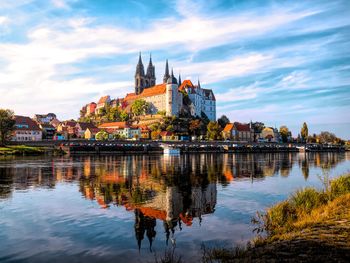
point(144, 147)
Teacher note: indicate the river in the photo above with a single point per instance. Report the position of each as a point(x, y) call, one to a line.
point(129, 208)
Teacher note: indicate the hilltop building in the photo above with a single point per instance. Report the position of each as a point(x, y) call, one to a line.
point(168, 97)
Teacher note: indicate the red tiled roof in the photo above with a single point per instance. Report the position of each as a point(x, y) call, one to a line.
point(85, 125)
point(148, 92)
point(103, 99)
point(166, 133)
point(186, 83)
point(229, 127)
point(242, 127)
point(114, 125)
point(93, 129)
point(26, 123)
point(69, 123)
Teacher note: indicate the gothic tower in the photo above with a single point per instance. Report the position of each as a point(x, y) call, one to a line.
point(151, 75)
point(166, 74)
point(140, 80)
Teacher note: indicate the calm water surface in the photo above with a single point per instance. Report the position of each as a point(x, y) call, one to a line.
point(127, 208)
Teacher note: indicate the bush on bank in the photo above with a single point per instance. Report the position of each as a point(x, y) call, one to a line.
point(282, 217)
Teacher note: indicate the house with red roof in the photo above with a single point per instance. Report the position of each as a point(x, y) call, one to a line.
point(81, 127)
point(26, 129)
point(102, 103)
point(238, 132)
point(122, 129)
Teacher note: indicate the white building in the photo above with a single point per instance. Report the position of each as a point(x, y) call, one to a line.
point(26, 129)
point(203, 100)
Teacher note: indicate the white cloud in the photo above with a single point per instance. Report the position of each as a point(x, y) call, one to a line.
point(3, 20)
point(60, 4)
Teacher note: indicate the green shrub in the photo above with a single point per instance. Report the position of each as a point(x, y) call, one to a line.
point(307, 199)
point(280, 215)
point(340, 186)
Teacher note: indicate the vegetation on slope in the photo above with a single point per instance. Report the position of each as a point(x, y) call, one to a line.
point(311, 225)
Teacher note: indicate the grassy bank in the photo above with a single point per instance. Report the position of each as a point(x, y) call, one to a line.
point(22, 150)
point(311, 225)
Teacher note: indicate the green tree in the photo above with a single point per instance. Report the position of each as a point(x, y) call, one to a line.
point(213, 131)
point(113, 114)
point(139, 107)
point(124, 116)
point(101, 136)
point(7, 125)
point(284, 131)
point(223, 120)
point(304, 132)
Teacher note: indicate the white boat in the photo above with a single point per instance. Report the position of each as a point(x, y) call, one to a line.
point(170, 150)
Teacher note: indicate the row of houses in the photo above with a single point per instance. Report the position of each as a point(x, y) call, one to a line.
point(245, 132)
point(50, 128)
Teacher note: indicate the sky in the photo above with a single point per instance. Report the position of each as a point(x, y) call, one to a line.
point(279, 62)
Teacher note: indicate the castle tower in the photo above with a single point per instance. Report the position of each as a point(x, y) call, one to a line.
point(151, 75)
point(166, 74)
point(140, 79)
point(173, 97)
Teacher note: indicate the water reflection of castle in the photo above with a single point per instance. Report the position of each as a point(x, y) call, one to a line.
point(174, 190)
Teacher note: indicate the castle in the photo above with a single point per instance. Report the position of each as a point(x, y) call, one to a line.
point(172, 96)
point(168, 96)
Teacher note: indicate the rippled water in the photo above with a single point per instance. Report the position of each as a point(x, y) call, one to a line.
point(127, 208)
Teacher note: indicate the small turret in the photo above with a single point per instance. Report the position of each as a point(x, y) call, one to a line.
point(172, 79)
point(180, 79)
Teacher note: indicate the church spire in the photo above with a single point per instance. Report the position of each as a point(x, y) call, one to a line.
point(166, 74)
point(199, 84)
point(180, 79)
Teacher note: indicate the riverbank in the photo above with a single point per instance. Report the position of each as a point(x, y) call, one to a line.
point(310, 226)
point(27, 150)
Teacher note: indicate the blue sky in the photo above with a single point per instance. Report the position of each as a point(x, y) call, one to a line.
point(280, 62)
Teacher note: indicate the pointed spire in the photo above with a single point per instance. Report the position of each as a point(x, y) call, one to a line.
point(180, 79)
point(199, 84)
point(166, 68)
point(166, 74)
point(140, 59)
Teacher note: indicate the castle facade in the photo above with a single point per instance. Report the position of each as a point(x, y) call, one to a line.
point(168, 96)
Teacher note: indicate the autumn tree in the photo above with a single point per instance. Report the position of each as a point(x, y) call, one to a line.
point(223, 120)
point(195, 127)
point(285, 133)
point(7, 125)
point(304, 132)
point(213, 131)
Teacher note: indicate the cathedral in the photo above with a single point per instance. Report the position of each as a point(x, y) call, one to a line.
point(168, 96)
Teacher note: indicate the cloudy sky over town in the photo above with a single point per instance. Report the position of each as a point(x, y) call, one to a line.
point(280, 62)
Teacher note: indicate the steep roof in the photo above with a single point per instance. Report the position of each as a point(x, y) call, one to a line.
point(242, 127)
point(26, 124)
point(85, 125)
point(207, 93)
point(69, 123)
point(93, 130)
point(186, 83)
point(148, 92)
point(229, 127)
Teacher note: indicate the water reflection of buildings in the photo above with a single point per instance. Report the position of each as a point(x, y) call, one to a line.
point(173, 190)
